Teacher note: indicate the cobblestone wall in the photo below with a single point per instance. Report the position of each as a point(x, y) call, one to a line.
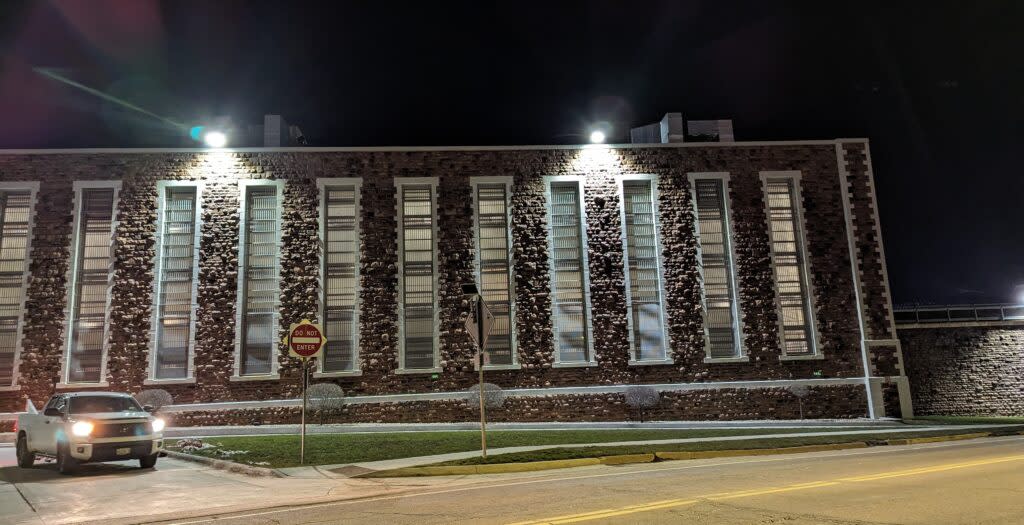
point(299, 280)
point(960, 371)
point(729, 404)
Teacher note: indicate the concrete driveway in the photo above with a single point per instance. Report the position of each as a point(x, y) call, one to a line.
point(120, 492)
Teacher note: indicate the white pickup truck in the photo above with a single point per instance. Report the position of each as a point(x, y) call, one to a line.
point(85, 427)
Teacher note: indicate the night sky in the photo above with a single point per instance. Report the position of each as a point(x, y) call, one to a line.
point(937, 87)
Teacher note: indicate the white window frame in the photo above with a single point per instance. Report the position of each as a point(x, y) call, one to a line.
point(620, 183)
point(475, 182)
point(581, 180)
point(737, 313)
point(161, 196)
point(322, 184)
point(399, 241)
point(72, 280)
point(33, 191)
point(275, 361)
point(801, 230)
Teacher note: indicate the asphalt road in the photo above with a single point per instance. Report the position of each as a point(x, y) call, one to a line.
point(968, 482)
point(978, 481)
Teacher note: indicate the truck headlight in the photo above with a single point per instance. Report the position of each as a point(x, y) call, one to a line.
point(81, 428)
point(158, 425)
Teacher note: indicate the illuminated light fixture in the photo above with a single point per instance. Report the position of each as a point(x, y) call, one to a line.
point(158, 425)
point(215, 139)
point(597, 137)
point(81, 428)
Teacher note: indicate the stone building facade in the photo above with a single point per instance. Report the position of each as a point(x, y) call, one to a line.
point(834, 282)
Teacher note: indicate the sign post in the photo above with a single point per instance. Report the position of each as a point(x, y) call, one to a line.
point(478, 325)
point(305, 341)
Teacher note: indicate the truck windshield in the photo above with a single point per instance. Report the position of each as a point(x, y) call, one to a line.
point(94, 404)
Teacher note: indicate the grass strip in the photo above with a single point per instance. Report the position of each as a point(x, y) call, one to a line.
point(553, 454)
point(279, 451)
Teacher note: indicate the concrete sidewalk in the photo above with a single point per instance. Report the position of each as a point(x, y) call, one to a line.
point(352, 469)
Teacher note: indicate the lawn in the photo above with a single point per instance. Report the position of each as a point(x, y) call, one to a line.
point(278, 451)
point(592, 452)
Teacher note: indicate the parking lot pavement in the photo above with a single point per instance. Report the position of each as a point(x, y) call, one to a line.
point(121, 492)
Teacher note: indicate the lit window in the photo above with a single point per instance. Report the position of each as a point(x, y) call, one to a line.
point(418, 300)
point(568, 273)
point(261, 231)
point(643, 270)
point(91, 283)
point(790, 265)
point(176, 270)
point(721, 326)
point(15, 216)
point(340, 276)
point(494, 265)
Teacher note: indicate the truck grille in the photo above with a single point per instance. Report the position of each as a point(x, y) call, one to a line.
point(115, 429)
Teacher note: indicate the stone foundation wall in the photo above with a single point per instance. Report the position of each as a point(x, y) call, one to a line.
point(836, 402)
point(134, 248)
point(966, 370)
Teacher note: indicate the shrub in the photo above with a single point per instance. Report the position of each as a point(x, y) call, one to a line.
point(325, 399)
point(800, 392)
point(640, 398)
point(155, 398)
point(494, 396)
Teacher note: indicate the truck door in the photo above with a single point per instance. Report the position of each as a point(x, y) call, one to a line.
point(50, 427)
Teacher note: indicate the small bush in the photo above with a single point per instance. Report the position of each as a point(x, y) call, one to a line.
point(494, 396)
point(155, 398)
point(800, 392)
point(640, 398)
point(325, 399)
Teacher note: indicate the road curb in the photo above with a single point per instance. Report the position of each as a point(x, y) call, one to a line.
point(937, 439)
point(502, 468)
point(626, 459)
point(497, 468)
point(229, 466)
point(711, 454)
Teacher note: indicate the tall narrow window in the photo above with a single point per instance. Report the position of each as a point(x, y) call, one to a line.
point(568, 273)
point(176, 278)
point(417, 248)
point(788, 256)
point(721, 326)
point(494, 265)
point(93, 253)
point(15, 216)
point(340, 208)
point(259, 281)
point(643, 270)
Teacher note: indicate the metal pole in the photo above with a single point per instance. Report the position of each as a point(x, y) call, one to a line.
point(480, 349)
point(302, 435)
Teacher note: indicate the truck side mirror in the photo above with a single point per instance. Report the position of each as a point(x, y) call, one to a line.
point(147, 408)
point(52, 412)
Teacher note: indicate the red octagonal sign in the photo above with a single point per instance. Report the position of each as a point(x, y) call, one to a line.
point(305, 339)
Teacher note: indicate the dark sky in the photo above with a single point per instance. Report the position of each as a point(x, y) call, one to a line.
point(938, 87)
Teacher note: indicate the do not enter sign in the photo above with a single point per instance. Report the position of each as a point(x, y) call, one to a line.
point(306, 339)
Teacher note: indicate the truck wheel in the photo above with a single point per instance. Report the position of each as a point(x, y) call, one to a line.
point(26, 458)
point(65, 463)
point(148, 461)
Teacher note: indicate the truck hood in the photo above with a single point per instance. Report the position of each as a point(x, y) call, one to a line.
point(103, 416)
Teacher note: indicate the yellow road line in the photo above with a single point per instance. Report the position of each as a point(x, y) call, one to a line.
point(666, 504)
